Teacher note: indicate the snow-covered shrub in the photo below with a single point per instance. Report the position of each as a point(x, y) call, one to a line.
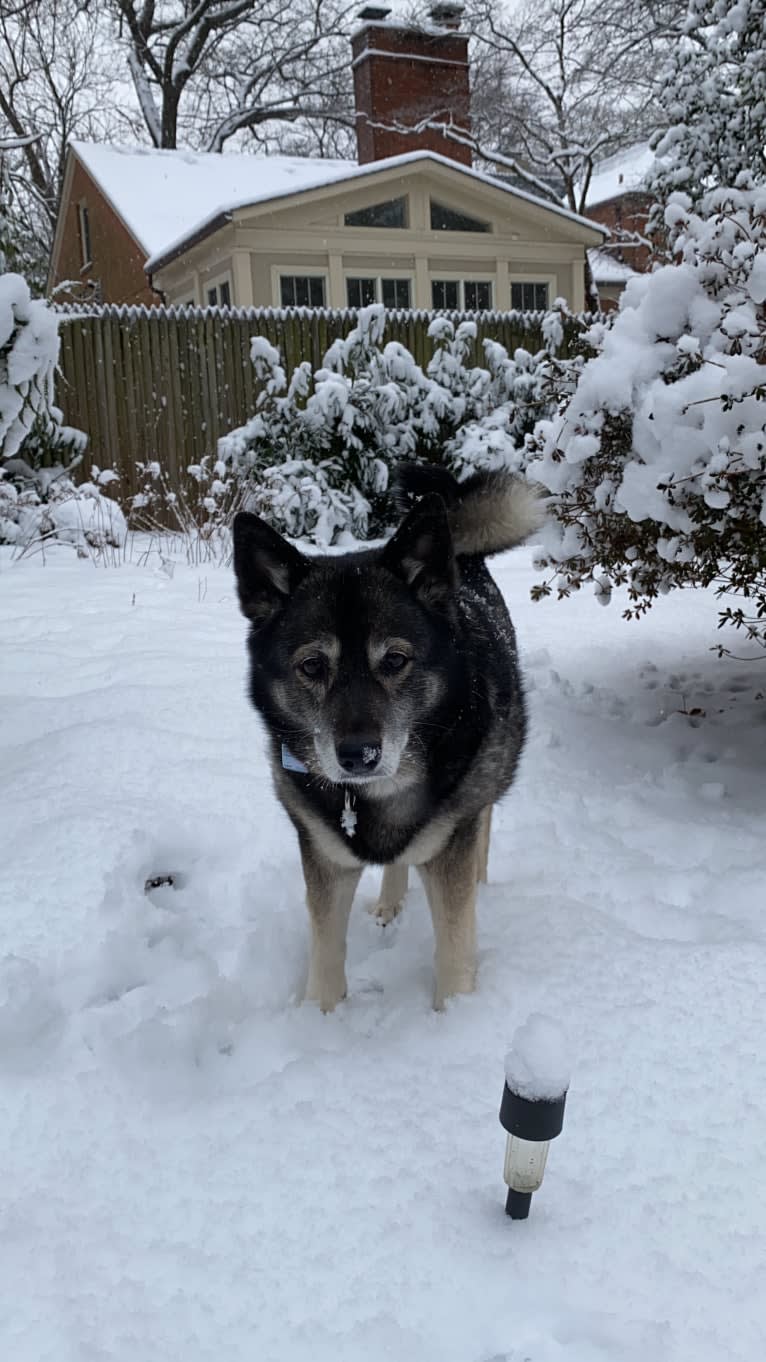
point(657, 465)
point(309, 501)
point(51, 507)
point(317, 455)
point(29, 348)
point(37, 451)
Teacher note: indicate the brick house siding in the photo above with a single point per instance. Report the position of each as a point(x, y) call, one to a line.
point(628, 212)
point(117, 260)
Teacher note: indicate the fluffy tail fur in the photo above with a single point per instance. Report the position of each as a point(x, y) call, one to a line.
point(488, 513)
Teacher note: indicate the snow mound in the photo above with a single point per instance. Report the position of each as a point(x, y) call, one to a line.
point(538, 1065)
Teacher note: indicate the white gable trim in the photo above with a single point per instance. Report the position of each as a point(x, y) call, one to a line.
point(408, 161)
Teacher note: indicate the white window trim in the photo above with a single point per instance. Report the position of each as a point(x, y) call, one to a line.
point(293, 271)
point(377, 275)
point(82, 216)
point(215, 282)
point(532, 277)
point(463, 277)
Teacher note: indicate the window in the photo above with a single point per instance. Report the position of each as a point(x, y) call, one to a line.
point(219, 295)
point(445, 219)
point(392, 293)
point(390, 214)
point(361, 292)
point(395, 293)
point(86, 251)
point(478, 295)
point(301, 290)
point(529, 297)
point(445, 293)
point(469, 295)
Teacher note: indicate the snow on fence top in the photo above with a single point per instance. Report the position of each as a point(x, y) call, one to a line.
point(337, 315)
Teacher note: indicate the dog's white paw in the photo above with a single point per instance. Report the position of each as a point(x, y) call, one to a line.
point(326, 1003)
point(385, 913)
point(452, 981)
point(327, 986)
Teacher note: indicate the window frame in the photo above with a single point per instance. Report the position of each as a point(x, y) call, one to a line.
point(447, 279)
point(362, 279)
point(216, 282)
point(451, 276)
point(491, 285)
point(398, 277)
point(278, 272)
point(379, 276)
point(515, 277)
point(486, 227)
point(404, 226)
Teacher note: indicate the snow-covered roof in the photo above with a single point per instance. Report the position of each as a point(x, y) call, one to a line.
point(623, 173)
point(166, 197)
point(607, 270)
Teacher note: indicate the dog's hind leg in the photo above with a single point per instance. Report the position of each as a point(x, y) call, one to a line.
point(450, 881)
point(329, 894)
point(392, 892)
point(482, 850)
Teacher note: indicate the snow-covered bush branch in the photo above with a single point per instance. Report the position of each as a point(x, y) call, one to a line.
point(29, 347)
point(37, 451)
point(711, 123)
point(319, 450)
point(657, 465)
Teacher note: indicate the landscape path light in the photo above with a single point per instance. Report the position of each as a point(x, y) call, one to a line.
point(537, 1071)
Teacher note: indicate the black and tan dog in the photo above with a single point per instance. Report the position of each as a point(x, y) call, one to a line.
point(388, 683)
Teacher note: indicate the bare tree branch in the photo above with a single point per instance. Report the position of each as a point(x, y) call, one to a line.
point(569, 82)
point(214, 68)
point(55, 84)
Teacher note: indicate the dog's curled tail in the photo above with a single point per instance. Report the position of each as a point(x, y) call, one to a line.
point(488, 513)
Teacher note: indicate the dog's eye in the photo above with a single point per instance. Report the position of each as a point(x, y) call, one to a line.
point(312, 667)
point(394, 661)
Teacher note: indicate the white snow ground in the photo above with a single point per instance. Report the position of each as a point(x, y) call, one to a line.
point(195, 1168)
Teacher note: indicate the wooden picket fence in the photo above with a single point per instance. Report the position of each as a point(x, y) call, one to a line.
point(165, 383)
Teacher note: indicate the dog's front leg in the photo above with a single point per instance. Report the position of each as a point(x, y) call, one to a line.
point(329, 894)
point(392, 892)
point(450, 881)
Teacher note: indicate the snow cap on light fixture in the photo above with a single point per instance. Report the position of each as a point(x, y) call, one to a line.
point(537, 1071)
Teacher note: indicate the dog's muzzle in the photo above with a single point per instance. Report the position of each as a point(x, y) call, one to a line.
point(359, 755)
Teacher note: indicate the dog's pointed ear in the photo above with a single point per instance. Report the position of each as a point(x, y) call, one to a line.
point(422, 554)
point(267, 568)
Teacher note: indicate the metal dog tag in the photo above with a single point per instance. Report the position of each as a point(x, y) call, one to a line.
point(291, 763)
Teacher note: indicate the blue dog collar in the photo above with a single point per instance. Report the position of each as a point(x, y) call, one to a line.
point(291, 763)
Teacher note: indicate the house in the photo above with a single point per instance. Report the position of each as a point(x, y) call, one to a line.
point(410, 224)
point(618, 199)
point(610, 274)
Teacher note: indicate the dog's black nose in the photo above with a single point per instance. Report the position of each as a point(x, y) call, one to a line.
point(359, 755)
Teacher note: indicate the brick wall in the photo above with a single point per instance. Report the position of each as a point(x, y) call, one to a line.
point(117, 262)
point(628, 212)
point(403, 75)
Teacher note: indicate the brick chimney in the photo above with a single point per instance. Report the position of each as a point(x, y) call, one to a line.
point(403, 75)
